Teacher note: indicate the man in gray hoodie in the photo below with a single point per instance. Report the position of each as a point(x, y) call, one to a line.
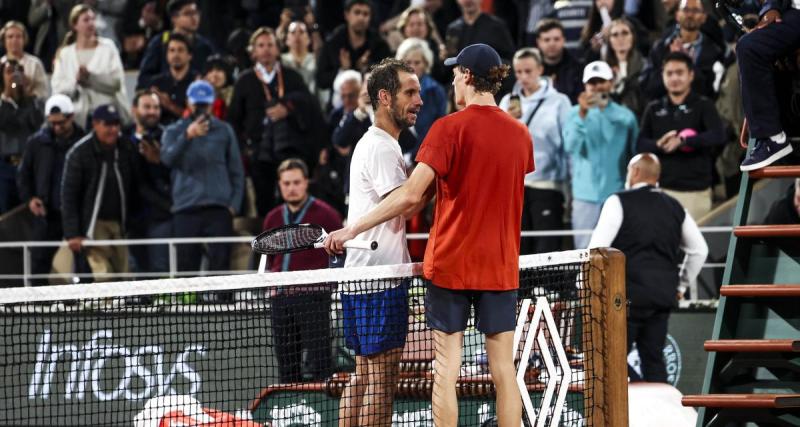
point(207, 179)
point(536, 102)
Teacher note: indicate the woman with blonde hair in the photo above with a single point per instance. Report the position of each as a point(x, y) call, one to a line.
point(88, 68)
point(14, 37)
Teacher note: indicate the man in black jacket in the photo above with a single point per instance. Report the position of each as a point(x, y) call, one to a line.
point(652, 230)
point(39, 178)
point(185, 18)
point(563, 69)
point(154, 219)
point(684, 129)
point(786, 210)
point(689, 39)
point(170, 86)
point(97, 192)
point(475, 26)
point(274, 116)
point(351, 46)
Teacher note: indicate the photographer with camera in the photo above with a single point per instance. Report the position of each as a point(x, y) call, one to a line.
point(599, 136)
point(274, 115)
point(776, 35)
point(207, 179)
point(299, 13)
point(154, 219)
point(20, 116)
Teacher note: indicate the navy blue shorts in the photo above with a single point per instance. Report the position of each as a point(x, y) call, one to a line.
point(448, 310)
point(375, 322)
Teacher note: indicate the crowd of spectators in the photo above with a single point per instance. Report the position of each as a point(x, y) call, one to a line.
point(227, 91)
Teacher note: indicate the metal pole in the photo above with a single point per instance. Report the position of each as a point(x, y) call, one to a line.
point(173, 260)
point(26, 266)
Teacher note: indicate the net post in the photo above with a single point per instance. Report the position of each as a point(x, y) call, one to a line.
point(608, 400)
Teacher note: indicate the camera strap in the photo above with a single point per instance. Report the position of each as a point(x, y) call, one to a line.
point(533, 113)
point(265, 86)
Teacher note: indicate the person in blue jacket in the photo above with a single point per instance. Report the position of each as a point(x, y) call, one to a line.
point(600, 137)
point(207, 178)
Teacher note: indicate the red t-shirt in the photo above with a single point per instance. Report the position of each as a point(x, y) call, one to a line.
point(480, 155)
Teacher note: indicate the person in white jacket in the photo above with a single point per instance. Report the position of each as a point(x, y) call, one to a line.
point(536, 102)
point(88, 68)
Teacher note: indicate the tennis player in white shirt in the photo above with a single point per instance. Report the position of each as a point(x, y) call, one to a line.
point(375, 315)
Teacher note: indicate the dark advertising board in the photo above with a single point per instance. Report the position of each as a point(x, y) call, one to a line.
point(78, 368)
point(86, 367)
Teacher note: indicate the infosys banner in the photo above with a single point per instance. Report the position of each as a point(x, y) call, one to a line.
point(76, 369)
point(82, 368)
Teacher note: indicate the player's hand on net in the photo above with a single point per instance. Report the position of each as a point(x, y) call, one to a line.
point(334, 242)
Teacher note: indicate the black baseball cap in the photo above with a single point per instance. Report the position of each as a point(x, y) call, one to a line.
point(174, 6)
point(106, 113)
point(478, 58)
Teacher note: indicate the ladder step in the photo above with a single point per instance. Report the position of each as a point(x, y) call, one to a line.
point(760, 290)
point(776, 172)
point(756, 231)
point(764, 401)
point(753, 346)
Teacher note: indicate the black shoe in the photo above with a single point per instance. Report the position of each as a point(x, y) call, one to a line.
point(765, 152)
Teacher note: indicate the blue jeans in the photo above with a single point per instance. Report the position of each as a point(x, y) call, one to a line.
point(584, 217)
point(756, 53)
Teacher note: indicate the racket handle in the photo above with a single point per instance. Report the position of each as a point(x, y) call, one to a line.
point(361, 244)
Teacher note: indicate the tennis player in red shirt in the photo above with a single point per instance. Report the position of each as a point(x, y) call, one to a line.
point(477, 158)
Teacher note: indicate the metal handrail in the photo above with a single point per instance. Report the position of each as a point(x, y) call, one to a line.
point(27, 276)
point(248, 239)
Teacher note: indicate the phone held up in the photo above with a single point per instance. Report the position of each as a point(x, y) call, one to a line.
point(201, 111)
point(599, 100)
point(515, 103)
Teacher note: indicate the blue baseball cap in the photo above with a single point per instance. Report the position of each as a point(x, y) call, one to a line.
point(478, 58)
point(106, 113)
point(200, 92)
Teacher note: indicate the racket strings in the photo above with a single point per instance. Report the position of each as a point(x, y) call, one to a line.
point(288, 239)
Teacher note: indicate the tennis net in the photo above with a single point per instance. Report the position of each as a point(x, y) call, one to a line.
point(272, 349)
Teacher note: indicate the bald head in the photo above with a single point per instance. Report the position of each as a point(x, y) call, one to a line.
point(643, 168)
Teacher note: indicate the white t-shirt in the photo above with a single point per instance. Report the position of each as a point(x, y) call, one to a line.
point(376, 169)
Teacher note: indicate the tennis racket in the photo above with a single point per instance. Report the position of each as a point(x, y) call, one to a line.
point(299, 237)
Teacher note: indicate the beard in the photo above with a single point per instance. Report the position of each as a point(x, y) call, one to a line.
point(149, 121)
point(399, 118)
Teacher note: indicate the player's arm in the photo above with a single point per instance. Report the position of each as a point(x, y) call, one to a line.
point(405, 200)
point(426, 198)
